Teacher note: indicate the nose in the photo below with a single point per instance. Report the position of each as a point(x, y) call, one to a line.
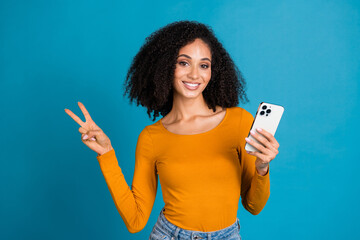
point(194, 73)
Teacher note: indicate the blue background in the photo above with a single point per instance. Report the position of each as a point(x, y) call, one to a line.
point(303, 55)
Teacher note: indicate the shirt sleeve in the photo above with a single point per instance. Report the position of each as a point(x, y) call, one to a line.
point(255, 189)
point(134, 205)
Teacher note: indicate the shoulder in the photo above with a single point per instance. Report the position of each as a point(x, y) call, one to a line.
point(241, 118)
point(152, 130)
point(243, 121)
point(239, 112)
point(156, 125)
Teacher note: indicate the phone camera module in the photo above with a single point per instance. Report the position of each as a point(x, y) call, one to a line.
point(262, 113)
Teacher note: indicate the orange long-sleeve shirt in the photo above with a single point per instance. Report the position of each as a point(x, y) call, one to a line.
point(202, 176)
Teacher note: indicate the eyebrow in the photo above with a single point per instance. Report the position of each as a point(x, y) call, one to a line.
point(187, 56)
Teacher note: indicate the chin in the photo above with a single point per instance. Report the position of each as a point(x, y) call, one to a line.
point(191, 95)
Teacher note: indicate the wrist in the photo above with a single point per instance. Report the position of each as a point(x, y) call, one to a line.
point(106, 151)
point(262, 170)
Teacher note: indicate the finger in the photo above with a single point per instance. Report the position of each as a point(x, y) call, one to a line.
point(84, 111)
point(261, 139)
point(269, 136)
point(264, 158)
point(257, 145)
point(83, 130)
point(257, 154)
point(76, 118)
point(91, 134)
point(85, 137)
point(264, 154)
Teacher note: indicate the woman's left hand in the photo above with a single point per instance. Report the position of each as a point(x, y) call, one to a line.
point(268, 149)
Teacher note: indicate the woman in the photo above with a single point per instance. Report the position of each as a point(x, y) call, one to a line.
point(197, 149)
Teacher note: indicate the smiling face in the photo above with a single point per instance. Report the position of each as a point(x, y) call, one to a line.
point(193, 69)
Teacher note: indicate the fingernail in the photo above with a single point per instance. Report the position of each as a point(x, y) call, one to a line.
point(259, 129)
point(252, 131)
point(247, 139)
point(85, 137)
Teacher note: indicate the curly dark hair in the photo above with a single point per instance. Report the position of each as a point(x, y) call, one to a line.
point(149, 79)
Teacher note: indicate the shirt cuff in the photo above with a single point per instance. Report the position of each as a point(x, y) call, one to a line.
point(260, 176)
point(108, 159)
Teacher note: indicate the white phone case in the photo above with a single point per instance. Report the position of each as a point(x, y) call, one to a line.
point(267, 117)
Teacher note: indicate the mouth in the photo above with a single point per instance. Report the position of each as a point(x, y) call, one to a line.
point(191, 86)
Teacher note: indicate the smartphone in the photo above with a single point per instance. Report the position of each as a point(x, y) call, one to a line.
point(267, 117)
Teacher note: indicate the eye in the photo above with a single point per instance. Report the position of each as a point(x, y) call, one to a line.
point(182, 63)
point(205, 66)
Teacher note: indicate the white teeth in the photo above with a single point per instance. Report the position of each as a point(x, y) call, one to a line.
point(192, 84)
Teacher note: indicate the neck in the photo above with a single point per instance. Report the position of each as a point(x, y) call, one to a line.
point(186, 108)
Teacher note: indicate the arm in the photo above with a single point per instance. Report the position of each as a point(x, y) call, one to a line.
point(134, 205)
point(255, 187)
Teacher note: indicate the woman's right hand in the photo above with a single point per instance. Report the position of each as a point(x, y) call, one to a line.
point(91, 135)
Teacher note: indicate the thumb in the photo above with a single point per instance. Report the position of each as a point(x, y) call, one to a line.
point(91, 135)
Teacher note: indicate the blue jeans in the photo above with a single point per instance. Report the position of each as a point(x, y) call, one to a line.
point(164, 230)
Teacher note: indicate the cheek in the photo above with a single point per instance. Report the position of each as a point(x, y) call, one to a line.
point(177, 77)
point(179, 72)
point(207, 75)
point(176, 73)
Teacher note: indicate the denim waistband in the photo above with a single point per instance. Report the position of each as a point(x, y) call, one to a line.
point(178, 232)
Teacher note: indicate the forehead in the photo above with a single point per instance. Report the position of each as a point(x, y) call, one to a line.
point(196, 48)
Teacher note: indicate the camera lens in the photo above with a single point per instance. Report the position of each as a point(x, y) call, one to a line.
point(268, 111)
point(262, 112)
point(264, 107)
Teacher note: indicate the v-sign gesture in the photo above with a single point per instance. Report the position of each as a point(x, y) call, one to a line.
point(91, 135)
